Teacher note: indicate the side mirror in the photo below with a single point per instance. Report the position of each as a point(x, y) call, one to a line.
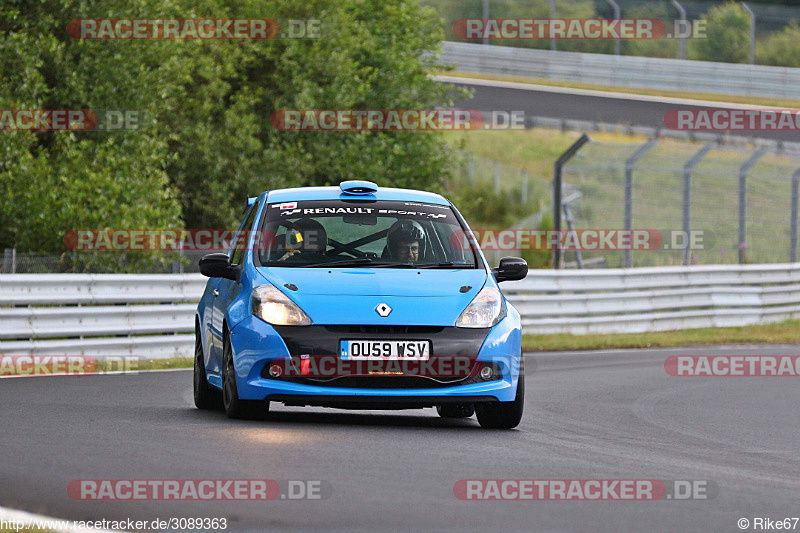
point(218, 265)
point(511, 269)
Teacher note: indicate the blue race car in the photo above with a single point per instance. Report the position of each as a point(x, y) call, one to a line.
point(358, 297)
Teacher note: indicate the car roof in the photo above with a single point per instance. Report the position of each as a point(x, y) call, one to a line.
point(335, 193)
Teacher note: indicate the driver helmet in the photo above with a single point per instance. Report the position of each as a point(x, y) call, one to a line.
point(308, 235)
point(405, 231)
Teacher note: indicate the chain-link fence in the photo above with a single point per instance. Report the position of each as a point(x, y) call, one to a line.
point(513, 184)
point(768, 20)
point(710, 205)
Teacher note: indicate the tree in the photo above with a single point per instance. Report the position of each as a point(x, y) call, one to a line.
point(781, 49)
point(209, 141)
point(727, 36)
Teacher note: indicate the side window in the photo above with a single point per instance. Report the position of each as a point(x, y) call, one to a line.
point(240, 242)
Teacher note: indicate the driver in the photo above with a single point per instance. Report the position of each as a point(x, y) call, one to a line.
point(405, 241)
point(306, 239)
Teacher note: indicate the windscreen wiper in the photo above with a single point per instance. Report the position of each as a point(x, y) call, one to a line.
point(445, 264)
point(358, 261)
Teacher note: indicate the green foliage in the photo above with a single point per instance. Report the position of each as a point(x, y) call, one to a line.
point(781, 48)
point(540, 258)
point(209, 142)
point(727, 36)
point(483, 209)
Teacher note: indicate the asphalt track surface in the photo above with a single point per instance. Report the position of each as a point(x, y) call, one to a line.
point(572, 104)
point(613, 415)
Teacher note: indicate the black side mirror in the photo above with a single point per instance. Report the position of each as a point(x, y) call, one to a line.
point(511, 269)
point(218, 265)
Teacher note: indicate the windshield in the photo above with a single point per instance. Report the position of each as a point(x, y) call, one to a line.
point(369, 233)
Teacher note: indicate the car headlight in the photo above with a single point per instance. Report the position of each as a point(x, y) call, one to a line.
point(272, 306)
point(484, 311)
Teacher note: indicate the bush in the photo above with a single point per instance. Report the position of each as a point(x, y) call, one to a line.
point(781, 49)
point(727, 36)
point(484, 209)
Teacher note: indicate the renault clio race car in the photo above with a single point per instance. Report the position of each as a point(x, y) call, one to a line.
point(359, 297)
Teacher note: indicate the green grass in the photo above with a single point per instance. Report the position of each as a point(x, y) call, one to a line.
point(787, 332)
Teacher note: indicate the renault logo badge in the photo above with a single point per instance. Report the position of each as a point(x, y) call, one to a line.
point(383, 310)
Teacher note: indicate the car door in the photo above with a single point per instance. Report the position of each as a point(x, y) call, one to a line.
point(227, 290)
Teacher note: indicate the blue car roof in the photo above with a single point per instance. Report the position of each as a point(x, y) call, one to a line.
point(335, 193)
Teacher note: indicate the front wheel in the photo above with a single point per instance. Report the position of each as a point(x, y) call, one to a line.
point(234, 407)
point(503, 415)
point(204, 396)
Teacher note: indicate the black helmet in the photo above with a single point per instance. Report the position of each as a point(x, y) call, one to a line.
point(305, 232)
point(404, 231)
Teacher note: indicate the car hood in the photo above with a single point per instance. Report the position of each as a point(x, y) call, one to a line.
point(350, 295)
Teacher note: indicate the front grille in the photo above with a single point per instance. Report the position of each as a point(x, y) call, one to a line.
point(389, 330)
point(391, 382)
point(379, 382)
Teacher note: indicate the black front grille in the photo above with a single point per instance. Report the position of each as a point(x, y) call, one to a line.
point(379, 382)
point(392, 382)
point(325, 339)
point(389, 330)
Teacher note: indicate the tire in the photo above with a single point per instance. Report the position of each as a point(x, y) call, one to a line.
point(456, 410)
point(234, 407)
point(204, 396)
point(503, 415)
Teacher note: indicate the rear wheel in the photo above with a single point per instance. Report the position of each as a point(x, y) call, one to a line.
point(204, 396)
point(503, 415)
point(234, 407)
point(456, 410)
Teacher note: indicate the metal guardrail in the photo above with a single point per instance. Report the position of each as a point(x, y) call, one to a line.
point(99, 314)
point(655, 299)
point(628, 71)
point(152, 315)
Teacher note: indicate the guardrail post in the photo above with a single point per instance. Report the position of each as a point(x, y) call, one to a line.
point(524, 195)
point(687, 195)
point(485, 16)
point(795, 183)
point(743, 170)
point(617, 15)
point(682, 42)
point(627, 261)
point(752, 33)
point(557, 174)
point(10, 260)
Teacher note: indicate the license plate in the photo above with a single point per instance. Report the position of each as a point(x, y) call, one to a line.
point(385, 350)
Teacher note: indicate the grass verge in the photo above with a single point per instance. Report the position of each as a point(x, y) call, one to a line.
point(787, 332)
point(730, 98)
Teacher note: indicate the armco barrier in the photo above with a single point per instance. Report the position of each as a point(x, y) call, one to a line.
point(628, 71)
point(152, 315)
point(99, 314)
point(655, 299)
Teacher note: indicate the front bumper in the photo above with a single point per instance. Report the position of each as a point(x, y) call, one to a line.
point(257, 344)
